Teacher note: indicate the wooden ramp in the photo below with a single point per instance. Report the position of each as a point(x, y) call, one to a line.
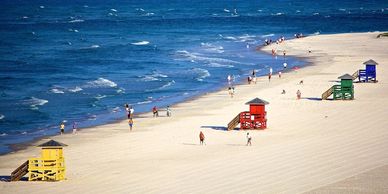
point(326, 94)
point(20, 172)
point(232, 124)
point(355, 74)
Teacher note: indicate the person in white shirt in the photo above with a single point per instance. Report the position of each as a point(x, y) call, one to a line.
point(249, 140)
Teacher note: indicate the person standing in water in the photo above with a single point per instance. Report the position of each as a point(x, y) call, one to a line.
point(201, 138)
point(131, 111)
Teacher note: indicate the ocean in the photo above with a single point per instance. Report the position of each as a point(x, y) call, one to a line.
point(81, 61)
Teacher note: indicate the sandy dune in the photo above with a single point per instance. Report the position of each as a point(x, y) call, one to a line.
point(309, 146)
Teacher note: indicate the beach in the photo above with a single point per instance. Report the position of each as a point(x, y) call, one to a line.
point(309, 146)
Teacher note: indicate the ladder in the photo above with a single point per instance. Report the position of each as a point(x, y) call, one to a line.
point(232, 124)
point(328, 92)
point(355, 74)
point(20, 172)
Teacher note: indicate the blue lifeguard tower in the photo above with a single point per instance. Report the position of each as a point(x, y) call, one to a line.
point(369, 73)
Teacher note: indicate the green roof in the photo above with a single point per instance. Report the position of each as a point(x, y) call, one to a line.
point(257, 101)
point(346, 76)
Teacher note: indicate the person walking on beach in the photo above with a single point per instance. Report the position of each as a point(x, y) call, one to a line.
point(298, 94)
point(249, 140)
point(168, 111)
point(269, 77)
point(62, 128)
point(130, 123)
point(155, 111)
point(75, 128)
point(280, 74)
point(201, 138)
point(229, 79)
point(270, 70)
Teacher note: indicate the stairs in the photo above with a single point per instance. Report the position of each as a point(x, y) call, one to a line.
point(355, 75)
point(20, 172)
point(328, 92)
point(232, 124)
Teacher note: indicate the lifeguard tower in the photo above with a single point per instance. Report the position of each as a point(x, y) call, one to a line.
point(255, 118)
point(344, 91)
point(50, 167)
point(368, 74)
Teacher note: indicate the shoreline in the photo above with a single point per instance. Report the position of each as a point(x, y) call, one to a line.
point(308, 144)
point(24, 145)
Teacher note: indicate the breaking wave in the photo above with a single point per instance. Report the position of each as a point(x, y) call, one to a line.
point(140, 43)
point(35, 102)
point(101, 83)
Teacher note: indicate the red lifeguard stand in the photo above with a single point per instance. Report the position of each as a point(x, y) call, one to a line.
point(255, 118)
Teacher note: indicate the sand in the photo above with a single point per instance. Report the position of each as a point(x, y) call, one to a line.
point(309, 146)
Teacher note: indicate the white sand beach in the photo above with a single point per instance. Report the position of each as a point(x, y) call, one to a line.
point(309, 146)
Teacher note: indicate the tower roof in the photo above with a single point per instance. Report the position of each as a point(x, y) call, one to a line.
point(346, 76)
point(52, 143)
point(257, 101)
point(370, 62)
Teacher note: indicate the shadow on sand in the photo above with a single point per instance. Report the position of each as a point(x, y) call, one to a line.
point(219, 128)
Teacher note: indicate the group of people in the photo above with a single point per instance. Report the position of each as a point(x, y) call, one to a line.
point(155, 111)
point(270, 41)
point(130, 111)
point(202, 139)
point(62, 128)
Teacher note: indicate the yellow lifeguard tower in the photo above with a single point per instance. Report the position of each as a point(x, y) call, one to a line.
point(50, 167)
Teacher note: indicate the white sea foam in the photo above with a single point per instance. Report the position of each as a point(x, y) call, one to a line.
point(76, 21)
point(24, 133)
point(25, 17)
point(92, 117)
point(120, 91)
point(297, 11)
point(57, 91)
point(95, 46)
point(212, 48)
point(114, 10)
point(76, 89)
point(116, 109)
point(35, 102)
point(141, 43)
point(2, 116)
point(99, 97)
point(218, 65)
point(316, 33)
point(197, 57)
point(202, 73)
point(149, 14)
point(148, 78)
point(140, 9)
point(341, 9)
point(316, 13)
point(226, 10)
point(144, 102)
point(3, 134)
point(42, 7)
point(170, 83)
point(267, 35)
point(279, 13)
point(101, 83)
point(227, 37)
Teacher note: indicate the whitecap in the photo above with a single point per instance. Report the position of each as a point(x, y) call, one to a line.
point(140, 43)
point(341, 9)
point(149, 14)
point(316, 13)
point(297, 11)
point(279, 13)
point(197, 57)
point(212, 48)
point(42, 7)
point(267, 35)
point(76, 89)
point(92, 117)
point(226, 10)
point(260, 10)
point(316, 33)
point(170, 83)
point(3, 134)
point(86, 6)
point(120, 91)
point(116, 109)
point(202, 73)
point(140, 9)
point(2, 116)
point(144, 102)
point(57, 91)
point(95, 46)
point(99, 97)
point(34, 102)
point(227, 37)
point(218, 65)
point(76, 21)
point(25, 17)
point(101, 83)
point(114, 10)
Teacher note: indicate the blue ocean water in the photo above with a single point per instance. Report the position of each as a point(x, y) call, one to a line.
point(81, 61)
